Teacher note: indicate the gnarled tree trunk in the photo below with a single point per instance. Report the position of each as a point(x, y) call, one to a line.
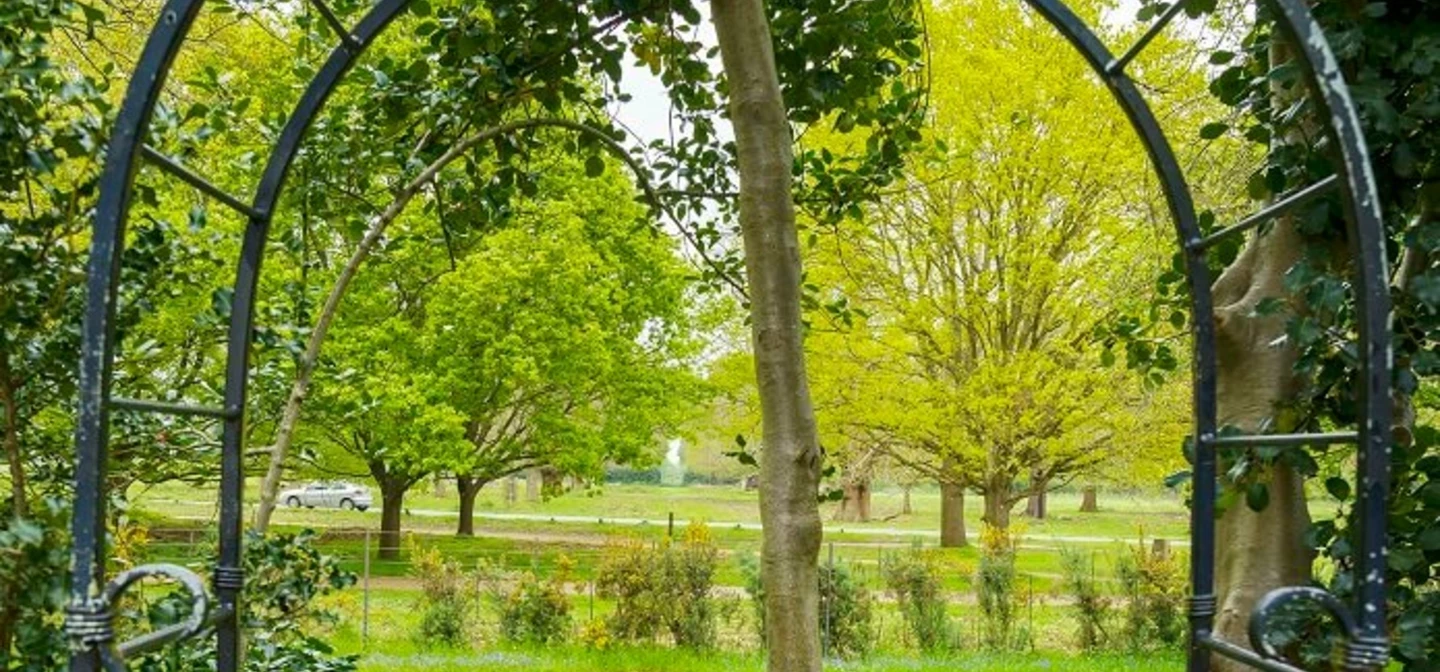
point(790, 463)
point(1257, 552)
point(855, 507)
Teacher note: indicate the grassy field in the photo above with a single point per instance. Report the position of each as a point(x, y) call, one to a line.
point(1121, 515)
point(572, 659)
point(580, 525)
point(529, 538)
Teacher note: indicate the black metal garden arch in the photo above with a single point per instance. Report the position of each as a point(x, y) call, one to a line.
point(90, 613)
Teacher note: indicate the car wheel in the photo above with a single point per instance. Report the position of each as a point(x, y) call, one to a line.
point(293, 502)
point(347, 504)
point(363, 509)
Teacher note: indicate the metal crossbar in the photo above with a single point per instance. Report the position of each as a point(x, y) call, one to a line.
point(1286, 203)
point(329, 15)
point(1325, 439)
point(175, 168)
point(143, 406)
point(1117, 66)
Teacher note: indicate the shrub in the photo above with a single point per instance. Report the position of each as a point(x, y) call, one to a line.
point(448, 598)
point(995, 583)
point(1092, 609)
point(664, 590)
point(34, 560)
point(1154, 587)
point(284, 576)
point(846, 614)
point(689, 574)
point(913, 580)
point(533, 611)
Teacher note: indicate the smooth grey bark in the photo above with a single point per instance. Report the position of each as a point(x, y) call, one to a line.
point(790, 463)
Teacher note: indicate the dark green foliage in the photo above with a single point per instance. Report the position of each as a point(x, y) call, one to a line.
point(1389, 54)
point(34, 560)
point(284, 576)
point(913, 579)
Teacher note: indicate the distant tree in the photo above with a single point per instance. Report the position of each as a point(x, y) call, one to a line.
point(563, 338)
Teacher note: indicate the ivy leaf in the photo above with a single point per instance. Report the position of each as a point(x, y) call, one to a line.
point(1177, 479)
point(1257, 496)
point(594, 166)
point(1213, 130)
point(1430, 539)
point(1338, 488)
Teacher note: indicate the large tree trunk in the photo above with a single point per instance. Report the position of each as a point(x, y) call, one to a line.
point(997, 509)
point(790, 461)
point(532, 485)
point(468, 488)
point(952, 516)
point(855, 507)
point(392, 505)
point(1257, 552)
point(1088, 503)
point(905, 509)
point(1035, 502)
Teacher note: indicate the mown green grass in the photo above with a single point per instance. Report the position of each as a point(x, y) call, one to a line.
point(1122, 515)
point(648, 659)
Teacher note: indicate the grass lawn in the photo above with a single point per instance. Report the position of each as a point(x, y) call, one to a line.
point(535, 541)
point(575, 659)
point(1121, 515)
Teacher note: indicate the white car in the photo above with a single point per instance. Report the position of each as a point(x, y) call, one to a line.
point(346, 496)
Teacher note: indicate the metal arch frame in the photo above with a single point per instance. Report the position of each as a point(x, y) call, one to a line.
point(89, 614)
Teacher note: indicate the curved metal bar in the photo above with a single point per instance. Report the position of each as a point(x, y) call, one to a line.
point(1368, 647)
point(199, 606)
point(97, 352)
point(1202, 324)
point(242, 315)
point(1275, 599)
